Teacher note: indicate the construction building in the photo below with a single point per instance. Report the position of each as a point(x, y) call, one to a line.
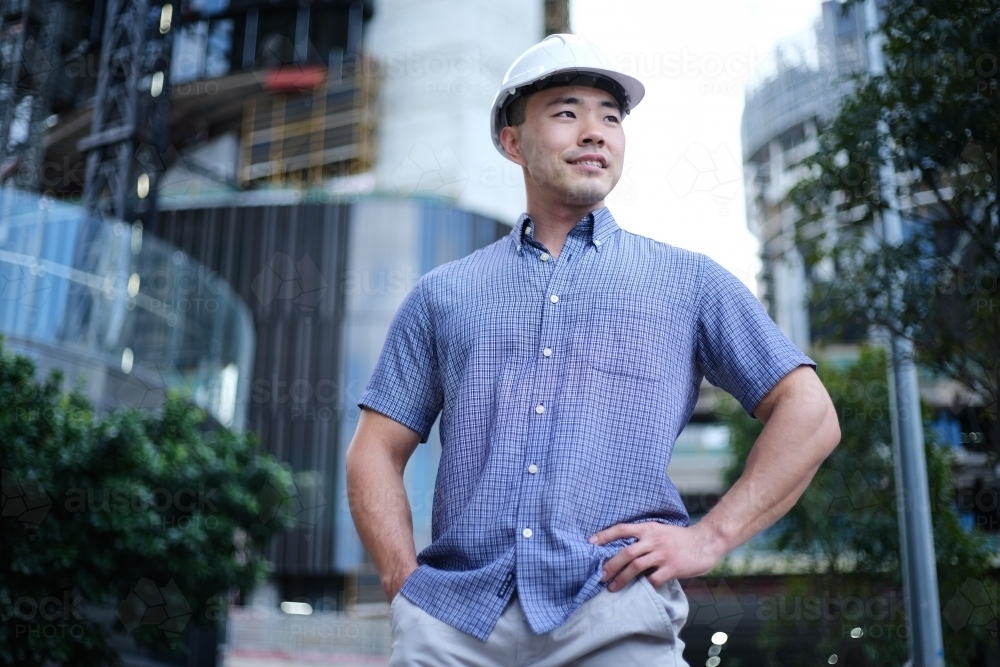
point(275, 176)
point(271, 178)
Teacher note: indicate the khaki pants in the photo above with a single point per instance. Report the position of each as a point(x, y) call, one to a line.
point(638, 625)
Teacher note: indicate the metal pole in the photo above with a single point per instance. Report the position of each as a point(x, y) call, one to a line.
point(916, 534)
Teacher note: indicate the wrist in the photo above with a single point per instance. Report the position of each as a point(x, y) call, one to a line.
point(714, 540)
point(394, 578)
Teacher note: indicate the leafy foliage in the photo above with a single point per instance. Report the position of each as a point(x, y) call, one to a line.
point(846, 523)
point(153, 516)
point(939, 100)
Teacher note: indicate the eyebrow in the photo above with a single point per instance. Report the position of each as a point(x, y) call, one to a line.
point(569, 99)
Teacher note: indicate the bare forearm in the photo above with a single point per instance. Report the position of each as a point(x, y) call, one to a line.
point(800, 431)
point(799, 434)
point(381, 513)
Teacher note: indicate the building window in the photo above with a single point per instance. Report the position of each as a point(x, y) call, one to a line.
point(793, 137)
point(202, 49)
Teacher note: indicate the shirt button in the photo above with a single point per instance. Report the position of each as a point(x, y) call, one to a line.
point(554, 298)
point(532, 468)
point(539, 409)
point(526, 532)
point(544, 256)
point(547, 352)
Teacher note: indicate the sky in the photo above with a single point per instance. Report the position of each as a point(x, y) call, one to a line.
point(683, 180)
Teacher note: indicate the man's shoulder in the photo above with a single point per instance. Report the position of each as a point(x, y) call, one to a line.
point(474, 266)
point(664, 256)
point(636, 242)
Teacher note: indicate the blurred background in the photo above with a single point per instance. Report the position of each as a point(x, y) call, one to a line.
point(220, 204)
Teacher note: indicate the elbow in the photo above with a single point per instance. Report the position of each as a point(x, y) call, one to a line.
point(354, 475)
point(351, 463)
point(830, 428)
point(348, 463)
point(349, 472)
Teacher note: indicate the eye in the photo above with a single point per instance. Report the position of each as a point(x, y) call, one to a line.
point(613, 119)
point(567, 111)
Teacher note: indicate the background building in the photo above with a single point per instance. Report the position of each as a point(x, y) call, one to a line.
point(124, 315)
point(323, 282)
point(321, 157)
point(793, 96)
point(289, 125)
point(795, 91)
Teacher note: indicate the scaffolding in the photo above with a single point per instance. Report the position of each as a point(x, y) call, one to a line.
point(302, 138)
point(30, 64)
point(129, 128)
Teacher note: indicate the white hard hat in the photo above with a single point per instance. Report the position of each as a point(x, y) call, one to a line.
point(562, 54)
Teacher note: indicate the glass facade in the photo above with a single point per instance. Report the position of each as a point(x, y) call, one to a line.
point(124, 312)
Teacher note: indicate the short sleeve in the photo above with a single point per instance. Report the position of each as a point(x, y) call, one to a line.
point(405, 385)
point(739, 348)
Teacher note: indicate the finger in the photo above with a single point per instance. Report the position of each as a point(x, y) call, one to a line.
point(658, 576)
point(621, 559)
point(631, 571)
point(614, 532)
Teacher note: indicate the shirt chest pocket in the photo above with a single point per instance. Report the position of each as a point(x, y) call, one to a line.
point(626, 338)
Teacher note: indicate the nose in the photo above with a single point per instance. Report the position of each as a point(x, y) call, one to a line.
point(591, 133)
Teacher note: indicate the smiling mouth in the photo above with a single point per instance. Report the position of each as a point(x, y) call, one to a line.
point(589, 163)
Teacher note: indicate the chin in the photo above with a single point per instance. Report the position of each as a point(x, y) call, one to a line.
point(585, 196)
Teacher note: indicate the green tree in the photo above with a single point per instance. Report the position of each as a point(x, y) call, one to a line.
point(153, 518)
point(940, 103)
point(845, 525)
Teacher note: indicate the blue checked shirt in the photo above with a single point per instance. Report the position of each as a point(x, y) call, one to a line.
point(562, 385)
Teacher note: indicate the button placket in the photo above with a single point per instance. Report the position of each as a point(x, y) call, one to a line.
point(545, 383)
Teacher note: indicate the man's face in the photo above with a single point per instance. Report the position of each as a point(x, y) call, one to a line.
point(571, 144)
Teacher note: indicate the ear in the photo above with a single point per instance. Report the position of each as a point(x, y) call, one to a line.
point(510, 139)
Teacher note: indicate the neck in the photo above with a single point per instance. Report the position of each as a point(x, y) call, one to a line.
point(554, 220)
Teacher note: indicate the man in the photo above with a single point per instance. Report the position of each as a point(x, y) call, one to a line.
point(564, 360)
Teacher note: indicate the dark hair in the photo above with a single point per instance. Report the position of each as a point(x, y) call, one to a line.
point(515, 110)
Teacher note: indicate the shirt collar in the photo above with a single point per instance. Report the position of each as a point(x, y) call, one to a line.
point(596, 227)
